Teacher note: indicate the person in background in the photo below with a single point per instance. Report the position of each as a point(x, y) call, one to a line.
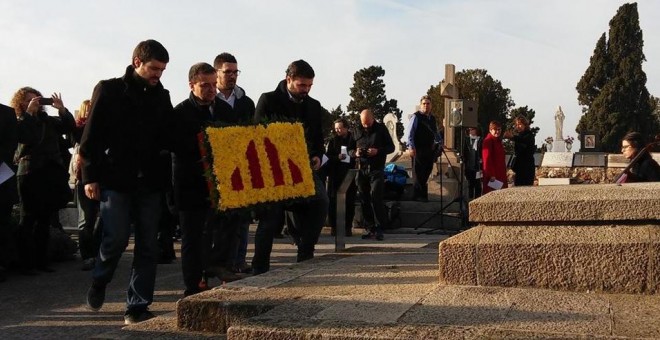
point(339, 162)
point(524, 148)
point(121, 151)
point(422, 140)
point(42, 176)
point(645, 168)
point(89, 233)
point(372, 144)
point(473, 162)
point(494, 164)
point(8, 193)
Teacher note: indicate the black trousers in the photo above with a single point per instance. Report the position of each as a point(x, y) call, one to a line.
point(371, 184)
point(422, 167)
point(308, 218)
point(525, 173)
point(474, 184)
point(226, 232)
point(34, 226)
point(195, 247)
point(89, 227)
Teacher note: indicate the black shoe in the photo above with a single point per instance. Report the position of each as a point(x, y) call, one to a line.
point(132, 317)
point(95, 297)
point(28, 272)
point(368, 235)
point(379, 236)
point(88, 264)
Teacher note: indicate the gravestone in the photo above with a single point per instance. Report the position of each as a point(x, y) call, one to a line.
point(557, 160)
point(390, 121)
point(589, 159)
point(617, 161)
point(538, 157)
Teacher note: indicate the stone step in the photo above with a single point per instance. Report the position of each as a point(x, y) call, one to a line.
point(612, 259)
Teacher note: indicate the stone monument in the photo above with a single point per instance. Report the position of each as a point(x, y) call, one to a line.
point(558, 145)
point(390, 121)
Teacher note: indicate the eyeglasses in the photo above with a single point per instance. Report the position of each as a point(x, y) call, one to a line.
point(230, 72)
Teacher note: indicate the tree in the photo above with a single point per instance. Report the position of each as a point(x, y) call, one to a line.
point(368, 92)
point(476, 84)
point(613, 89)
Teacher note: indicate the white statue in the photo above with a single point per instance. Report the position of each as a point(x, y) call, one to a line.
point(559, 124)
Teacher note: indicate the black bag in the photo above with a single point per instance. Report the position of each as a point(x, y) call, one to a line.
point(57, 182)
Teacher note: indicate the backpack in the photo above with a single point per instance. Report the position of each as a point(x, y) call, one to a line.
point(396, 177)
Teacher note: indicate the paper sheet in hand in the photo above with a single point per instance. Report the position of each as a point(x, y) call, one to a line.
point(5, 172)
point(324, 159)
point(344, 151)
point(497, 185)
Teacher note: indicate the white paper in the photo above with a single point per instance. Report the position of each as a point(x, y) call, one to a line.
point(5, 172)
point(495, 184)
point(324, 159)
point(479, 174)
point(344, 151)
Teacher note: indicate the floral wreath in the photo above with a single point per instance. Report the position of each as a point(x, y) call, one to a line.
point(250, 166)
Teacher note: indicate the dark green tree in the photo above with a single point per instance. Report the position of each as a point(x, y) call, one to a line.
point(613, 88)
point(368, 91)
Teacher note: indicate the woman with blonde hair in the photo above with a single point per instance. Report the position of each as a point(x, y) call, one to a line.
point(492, 154)
point(89, 235)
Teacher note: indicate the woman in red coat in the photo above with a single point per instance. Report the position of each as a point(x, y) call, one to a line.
point(493, 157)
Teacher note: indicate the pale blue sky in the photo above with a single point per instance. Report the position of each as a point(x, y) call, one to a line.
point(538, 49)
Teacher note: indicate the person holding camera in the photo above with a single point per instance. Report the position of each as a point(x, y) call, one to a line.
point(42, 176)
point(372, 144)
point(423, 139)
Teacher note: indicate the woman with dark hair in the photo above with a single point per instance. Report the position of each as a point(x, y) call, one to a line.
point(645, 168)
point(524, 148)
point(492, 153)
point(42, 177)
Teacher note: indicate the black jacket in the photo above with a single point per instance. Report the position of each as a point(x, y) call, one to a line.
point(39, 137)
point(190, 185)
point(8, 144)
point(126, 133)
point(375, 137)
point(276, 105)
point(646, 169)
point(337, 169)
point(524, 149)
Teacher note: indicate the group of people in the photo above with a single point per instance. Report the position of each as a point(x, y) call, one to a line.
point(132, 146)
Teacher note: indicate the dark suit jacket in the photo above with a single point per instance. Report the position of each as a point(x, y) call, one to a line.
point(8, 143)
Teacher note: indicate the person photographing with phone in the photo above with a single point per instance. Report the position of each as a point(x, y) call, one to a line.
point(42, 177)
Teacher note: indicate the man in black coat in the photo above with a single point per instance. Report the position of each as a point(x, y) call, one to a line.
point(290, 101)
point(339, 162)
point(8, 193)
point(372, 144)
point(121, 148)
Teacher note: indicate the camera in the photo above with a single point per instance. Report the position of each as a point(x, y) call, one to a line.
point(45, 101)
point(364, 152)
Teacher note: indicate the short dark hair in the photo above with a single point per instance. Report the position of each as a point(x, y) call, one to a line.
point(522, 119)
point(223, 58)
point(343, 121)
point(200, 68)
point(300, 68)
point(426, 96)
point(150, 49)
point(635, 139)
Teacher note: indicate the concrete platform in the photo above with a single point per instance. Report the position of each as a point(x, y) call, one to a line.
point(393, 294)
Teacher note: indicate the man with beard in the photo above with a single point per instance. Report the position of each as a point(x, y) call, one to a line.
point(233, 107)
point(121, 149)
point(290, 101)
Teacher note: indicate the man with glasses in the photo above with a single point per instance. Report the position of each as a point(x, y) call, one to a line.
point(230, 235)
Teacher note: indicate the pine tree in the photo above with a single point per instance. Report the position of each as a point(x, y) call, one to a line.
point(613, 88)
point(368, 92)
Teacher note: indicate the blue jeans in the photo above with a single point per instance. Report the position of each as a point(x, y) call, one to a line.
point(118, 209)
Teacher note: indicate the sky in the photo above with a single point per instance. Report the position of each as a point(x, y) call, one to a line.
point(537, 49)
